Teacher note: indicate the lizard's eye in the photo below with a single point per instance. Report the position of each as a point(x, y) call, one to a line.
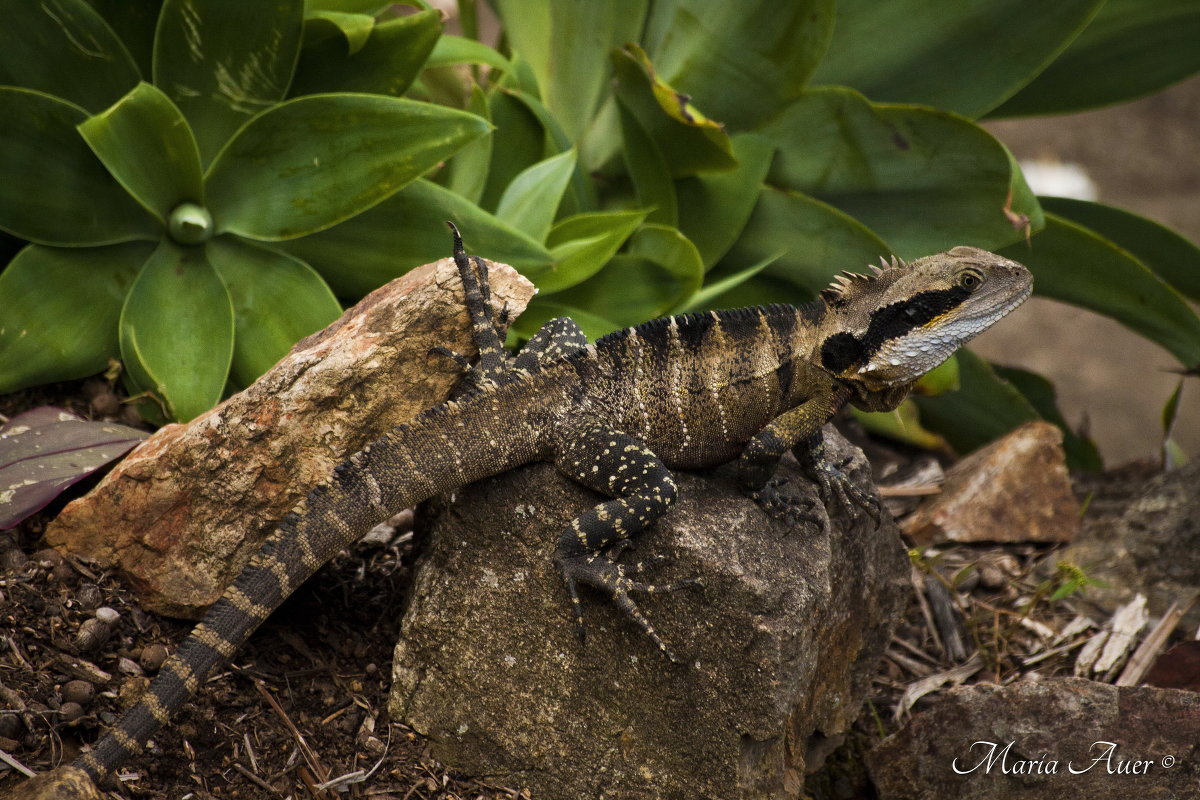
point(970, 280)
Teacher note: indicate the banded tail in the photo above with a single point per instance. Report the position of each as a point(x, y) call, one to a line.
point(443, 448)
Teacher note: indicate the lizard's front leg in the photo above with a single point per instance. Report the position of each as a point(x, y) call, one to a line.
point(618, 465)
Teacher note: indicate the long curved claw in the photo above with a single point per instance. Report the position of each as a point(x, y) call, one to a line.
point(784, 506)
point(837, 488)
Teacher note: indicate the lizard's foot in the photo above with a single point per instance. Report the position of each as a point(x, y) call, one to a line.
point(784, 506)
point(642, 565)
point(600, 572)
point(836, 488)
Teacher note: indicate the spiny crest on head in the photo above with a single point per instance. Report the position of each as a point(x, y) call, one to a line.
point(849, 285)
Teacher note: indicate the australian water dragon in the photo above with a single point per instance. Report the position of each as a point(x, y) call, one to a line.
point(616, 416)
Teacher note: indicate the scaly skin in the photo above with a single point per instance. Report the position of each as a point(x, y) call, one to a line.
point(617, 416)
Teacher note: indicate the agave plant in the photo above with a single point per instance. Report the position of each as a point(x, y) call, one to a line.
point(156, 173)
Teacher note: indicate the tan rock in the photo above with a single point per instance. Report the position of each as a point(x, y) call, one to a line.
point(1014, 490)
point(182, 513)
point(64, 783)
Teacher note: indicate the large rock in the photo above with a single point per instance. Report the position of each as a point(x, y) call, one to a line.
point(1140, 536)
point(182, 513)
point(1022, 741)
point(781, 644)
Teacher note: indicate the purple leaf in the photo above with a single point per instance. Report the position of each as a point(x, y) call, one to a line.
point(44, 451)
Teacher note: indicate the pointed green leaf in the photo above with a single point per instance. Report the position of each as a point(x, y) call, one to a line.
point(713, 294)
point(531, 200)
point(1170, 256)
point(659, 272)
point(54, 190)
point(224, 62)
point(466, 174)
point(583, 244)
point(568, 46)
point(809, 241)
point(314, 161)
point(353, 29)
point(690, 141)
point(176, 330)
point(581, 195)
point(965, 57)
point(925, 180)
point(1131, 48)
point(714, 208)
point(61, 307)
point(902, 424)
point(1072, 264)
point(451, 50)
point(984, 408)
point(1082, 453)
point(519, 141)
point(63, 48)
point(277, 301)
point(541, 310)
point(741, 62)
point(387, 62)
point(648, 170)
point(408, 230)
point(147, 146)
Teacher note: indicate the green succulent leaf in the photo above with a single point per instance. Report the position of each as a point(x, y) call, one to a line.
point(1073, 264)
point(648, 170)
point(807, 241)
point(581, 245)
point(714, 208)
point(451, 50)
point(387, 62)
point(314, 161)
point(224, 63)
point(882, 50)
point(713, 293)
point(925, 180)
point(54, 190)
point(1170, 256)
point(90, 67)
point(352, 29)
point(740, 61)
point(1131, 48)
point(531, 200)
point(518, 142)
point(277, 301)
point(61, 307)
point(691, 142)
point(902, 424)
point(658, 273)
point(984, 408)
point(176, 330)
point(466, 174)
point(148, 147)
point(541, 310)
point(567, 45)
point(408, 230)
point(1082, 453)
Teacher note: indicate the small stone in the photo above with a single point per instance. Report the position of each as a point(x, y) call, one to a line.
point(48, 557)
point(70, 711)
point(129, 667)
point(11, 726)
point(63, 783)
point(153, 656)
point(78, 691)
point(1015, 489)
point(91, 634)
point(107, 615)
point(63, 573)
point(89, 596)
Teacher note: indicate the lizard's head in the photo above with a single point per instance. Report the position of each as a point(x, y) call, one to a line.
point(893, 326)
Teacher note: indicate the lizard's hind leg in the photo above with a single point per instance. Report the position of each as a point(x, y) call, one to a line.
point(554, 341)
point(493, 358)
point(642, 487)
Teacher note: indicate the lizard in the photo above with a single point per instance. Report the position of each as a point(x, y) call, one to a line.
point(617, 416)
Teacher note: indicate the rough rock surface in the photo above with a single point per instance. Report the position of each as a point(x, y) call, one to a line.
point(781, 643)
point(989, 497)
point(1054, 726)
point(64, 783)
point(1141, 536)
point(182, 513)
